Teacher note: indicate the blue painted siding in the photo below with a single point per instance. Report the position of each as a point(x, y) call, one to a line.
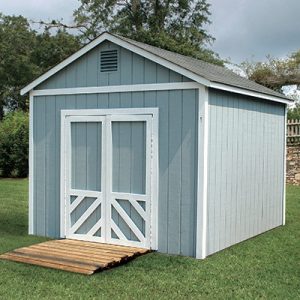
point(245, 168)
point(177, 160)
point(86, 156)
point(129, 157)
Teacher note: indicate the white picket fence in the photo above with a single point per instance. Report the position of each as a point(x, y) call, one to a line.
point(293, 131)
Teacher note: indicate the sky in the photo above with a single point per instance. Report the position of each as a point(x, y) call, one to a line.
point(244, 29)
point(252, 29)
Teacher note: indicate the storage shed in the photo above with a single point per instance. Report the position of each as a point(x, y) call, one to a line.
point(134, 145)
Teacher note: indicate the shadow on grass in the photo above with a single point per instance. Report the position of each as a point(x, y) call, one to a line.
point(13, 224)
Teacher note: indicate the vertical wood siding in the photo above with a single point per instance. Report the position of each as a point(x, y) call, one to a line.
point(177, 159)
point(245, 168)
point(133, 69)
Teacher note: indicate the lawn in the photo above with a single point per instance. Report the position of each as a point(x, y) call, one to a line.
point(267, 266)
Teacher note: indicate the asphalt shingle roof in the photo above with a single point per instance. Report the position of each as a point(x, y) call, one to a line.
point(208, 71)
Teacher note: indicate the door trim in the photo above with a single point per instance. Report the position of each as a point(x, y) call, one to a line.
point(80, 114)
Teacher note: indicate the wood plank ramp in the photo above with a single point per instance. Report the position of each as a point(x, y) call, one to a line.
point(74, 256)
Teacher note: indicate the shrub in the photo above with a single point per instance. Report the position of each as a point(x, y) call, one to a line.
point(14, 135)
point(294, 113)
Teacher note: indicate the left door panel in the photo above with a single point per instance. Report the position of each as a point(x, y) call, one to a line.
point(84, 178)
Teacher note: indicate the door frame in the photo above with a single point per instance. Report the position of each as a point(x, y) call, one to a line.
point(154, 112)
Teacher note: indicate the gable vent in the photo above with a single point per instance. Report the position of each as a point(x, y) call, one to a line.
point(109, 60)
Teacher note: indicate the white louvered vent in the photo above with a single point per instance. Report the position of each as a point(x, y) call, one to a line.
point(109, 60)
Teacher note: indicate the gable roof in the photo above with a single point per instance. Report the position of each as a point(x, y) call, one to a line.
point(205, 73)
point(209, 71)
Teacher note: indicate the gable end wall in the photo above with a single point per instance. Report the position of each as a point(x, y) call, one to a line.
point(133, 69)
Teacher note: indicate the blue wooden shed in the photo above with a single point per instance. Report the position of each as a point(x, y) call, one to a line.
point(138, 146)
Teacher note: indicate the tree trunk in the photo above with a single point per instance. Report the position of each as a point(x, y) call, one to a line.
point(1, 110)
point(137, 14)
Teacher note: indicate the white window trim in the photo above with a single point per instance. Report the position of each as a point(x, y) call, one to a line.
point(154, 167)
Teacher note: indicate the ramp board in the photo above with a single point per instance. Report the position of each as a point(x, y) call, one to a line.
point(74, 255)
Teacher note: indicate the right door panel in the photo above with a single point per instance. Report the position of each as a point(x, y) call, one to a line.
point(129, 190)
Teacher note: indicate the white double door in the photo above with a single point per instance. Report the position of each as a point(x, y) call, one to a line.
point(106, 169)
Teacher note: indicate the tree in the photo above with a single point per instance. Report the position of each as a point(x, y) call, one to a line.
point(16, 67)
point(275, 73)
point(294, 112)
point(175, 25)
point(24, 55)
point(51, 49)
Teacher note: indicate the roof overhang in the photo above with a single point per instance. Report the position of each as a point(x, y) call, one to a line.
point(164, 62)
point(237, 90)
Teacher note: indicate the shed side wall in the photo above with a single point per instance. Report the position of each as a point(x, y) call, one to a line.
point(245, 168)
point(177, 160)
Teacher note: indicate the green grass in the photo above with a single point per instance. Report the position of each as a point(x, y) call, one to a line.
point(267, 266)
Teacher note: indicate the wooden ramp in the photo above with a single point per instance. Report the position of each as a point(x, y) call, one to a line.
point(74, 256)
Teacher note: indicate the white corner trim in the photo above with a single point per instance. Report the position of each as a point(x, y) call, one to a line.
point(122, 43)
point(63, 162)
point(118, 89)
point(201, 230)
point(31, 167)
point(224, 87)
point(155, 179)
point(205, 173)
point(284, 167)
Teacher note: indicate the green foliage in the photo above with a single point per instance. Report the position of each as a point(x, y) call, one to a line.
point(51, 49)
point(173, 25)
point(16, 68)
point(264, 267)
point(275, 73)
point(14, 138)
point(294, 113)
point(24, 55)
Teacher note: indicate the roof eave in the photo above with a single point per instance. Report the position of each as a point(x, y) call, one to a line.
point(243, 91)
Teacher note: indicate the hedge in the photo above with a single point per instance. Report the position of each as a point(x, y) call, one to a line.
point(14, 136)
